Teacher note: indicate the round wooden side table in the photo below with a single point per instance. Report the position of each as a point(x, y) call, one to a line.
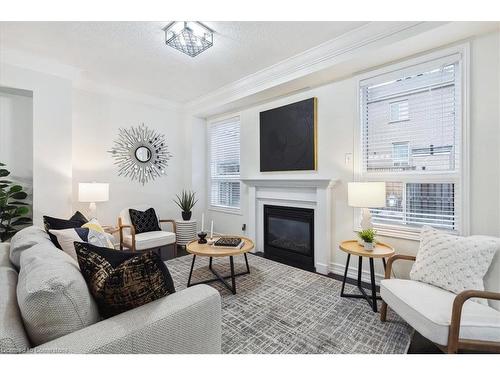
point(380, 250)
point(211, 251)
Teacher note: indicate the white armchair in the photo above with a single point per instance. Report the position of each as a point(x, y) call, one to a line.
point(143, 241)
point(451, 321)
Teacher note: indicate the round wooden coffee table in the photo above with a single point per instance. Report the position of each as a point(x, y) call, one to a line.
point(380, 250)
point(210, 251)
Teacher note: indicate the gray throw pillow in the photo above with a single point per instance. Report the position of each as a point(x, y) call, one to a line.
point(52, 295)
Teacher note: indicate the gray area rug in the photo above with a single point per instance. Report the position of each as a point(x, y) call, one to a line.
point(282, 309)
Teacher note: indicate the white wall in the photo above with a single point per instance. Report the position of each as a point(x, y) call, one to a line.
point(16, 137)
point(194, 169)
point(96, 120)
point(336, 124)
point(485, 132)
point(51, 138)
point(16, 132)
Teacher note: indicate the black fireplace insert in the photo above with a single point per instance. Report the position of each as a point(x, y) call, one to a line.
point(289, 235)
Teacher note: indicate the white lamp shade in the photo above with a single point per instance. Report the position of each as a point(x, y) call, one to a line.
point(366, 194)
point(93, 192)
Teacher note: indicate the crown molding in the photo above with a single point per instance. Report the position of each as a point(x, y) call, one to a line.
point(124, 94)
point(371, 35)
point(30, 61)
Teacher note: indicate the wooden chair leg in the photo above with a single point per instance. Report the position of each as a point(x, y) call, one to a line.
point(452, 347)
point(383, 312)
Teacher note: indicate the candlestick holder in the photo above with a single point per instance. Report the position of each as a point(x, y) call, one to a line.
point(202, 237)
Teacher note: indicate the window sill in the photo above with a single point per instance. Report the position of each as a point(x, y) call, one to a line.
point(398, 233)
point(395, 233)
point(226, 210)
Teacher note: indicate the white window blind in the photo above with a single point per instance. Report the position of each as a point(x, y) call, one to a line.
point(225, 163)
point(411, 138)
point(399, 111)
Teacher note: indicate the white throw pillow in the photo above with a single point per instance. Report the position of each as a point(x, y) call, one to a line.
point(452, 262)
point(67, 238)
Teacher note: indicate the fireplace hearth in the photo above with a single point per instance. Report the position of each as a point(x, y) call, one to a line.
point(289, 235)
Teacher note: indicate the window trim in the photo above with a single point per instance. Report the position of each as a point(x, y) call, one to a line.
point(214, 207)
point(462, 178)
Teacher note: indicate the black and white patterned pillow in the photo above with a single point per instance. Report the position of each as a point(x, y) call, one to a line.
point(75, 221)
point(122, 280)
point(144, 221)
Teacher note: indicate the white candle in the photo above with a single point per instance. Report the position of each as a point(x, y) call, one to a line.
point(212, 229)
point(202, 221)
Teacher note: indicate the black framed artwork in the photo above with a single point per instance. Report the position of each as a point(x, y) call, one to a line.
point(288, 137)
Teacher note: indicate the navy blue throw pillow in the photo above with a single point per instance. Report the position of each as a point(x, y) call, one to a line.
point(75, 221)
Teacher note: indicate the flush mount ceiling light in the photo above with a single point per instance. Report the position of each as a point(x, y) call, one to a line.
point(190, 37)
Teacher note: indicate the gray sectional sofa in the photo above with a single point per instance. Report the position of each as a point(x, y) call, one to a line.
point(46, 307)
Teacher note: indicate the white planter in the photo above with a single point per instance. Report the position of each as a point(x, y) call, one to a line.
point(368, 246)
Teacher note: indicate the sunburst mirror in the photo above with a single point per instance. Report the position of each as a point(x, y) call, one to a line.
point(140, 154)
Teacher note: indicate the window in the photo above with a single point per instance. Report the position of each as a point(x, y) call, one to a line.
point(401, 154)
point(224, 158)
point(399, 111)
point(418, 156)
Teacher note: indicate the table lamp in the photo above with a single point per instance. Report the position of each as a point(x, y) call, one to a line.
point(92, 192)
point(366, 195)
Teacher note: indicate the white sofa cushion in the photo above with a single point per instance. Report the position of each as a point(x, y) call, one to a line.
point(52, 294)
point(452, 262)
point(428, 309)
point(149, 240)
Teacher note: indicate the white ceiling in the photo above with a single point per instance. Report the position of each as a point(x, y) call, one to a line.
point(133, 55)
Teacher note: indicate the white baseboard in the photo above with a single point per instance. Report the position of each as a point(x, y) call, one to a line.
point(339, 269)
point(352, 272)
point(322, 268)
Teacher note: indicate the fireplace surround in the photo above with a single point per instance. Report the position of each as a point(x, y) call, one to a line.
point(289, 235)
point(313, 193)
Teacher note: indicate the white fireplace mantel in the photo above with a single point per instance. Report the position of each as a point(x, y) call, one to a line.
point(312, 193)
point(284, 182)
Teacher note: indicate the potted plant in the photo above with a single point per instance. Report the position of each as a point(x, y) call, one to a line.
point(368, 237)
point(13, 212)
point(186, 202)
